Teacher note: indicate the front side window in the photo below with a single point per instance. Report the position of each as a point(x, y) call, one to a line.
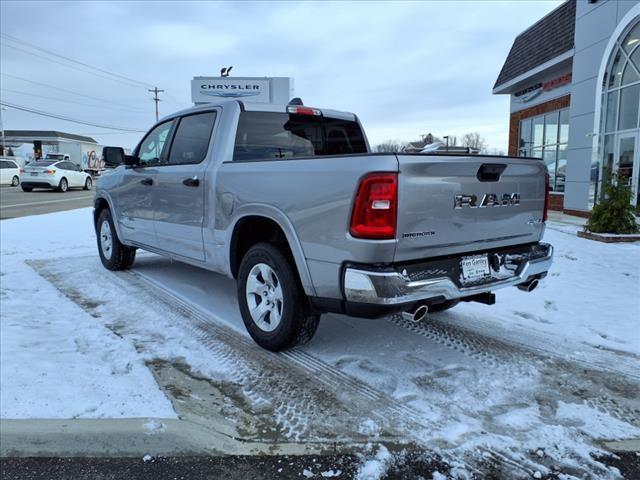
point(152, 147)
point(192, 137)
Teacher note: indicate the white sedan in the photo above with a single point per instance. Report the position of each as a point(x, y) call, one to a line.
point(58, 175)
point(9, 172)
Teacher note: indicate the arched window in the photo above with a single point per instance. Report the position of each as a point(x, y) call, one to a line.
point(620, 120)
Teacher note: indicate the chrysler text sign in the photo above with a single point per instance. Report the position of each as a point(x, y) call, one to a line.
point(214, 89)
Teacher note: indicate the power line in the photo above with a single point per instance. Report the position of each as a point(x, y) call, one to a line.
point(111, 102)
point(71, 66)
point(67, 119)
point(63, 100)
point(35, 47)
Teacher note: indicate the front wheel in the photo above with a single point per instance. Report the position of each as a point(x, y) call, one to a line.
point(88, 183)
point(274, 308)
point(114, 255)
point(15, 181)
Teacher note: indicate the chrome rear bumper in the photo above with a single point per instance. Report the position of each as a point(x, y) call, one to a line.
point(393, 287)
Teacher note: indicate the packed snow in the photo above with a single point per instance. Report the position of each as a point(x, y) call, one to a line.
point(510, 379)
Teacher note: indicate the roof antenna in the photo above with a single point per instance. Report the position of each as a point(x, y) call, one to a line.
point(295, 101)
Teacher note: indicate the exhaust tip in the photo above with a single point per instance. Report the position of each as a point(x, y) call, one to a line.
point(416, 313)
point(529, 287)
point(420, 313)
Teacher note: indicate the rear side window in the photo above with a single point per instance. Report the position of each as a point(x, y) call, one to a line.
point(4, 164)
point(191, 140)
point(343, 137)
point(269, 135)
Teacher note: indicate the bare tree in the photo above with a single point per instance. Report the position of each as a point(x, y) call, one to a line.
point(474, 140)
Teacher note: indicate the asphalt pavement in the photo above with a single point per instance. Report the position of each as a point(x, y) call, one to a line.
point(16, 203)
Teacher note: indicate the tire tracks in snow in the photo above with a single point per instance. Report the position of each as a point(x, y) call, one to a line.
point(616, 399)
point(310, 399)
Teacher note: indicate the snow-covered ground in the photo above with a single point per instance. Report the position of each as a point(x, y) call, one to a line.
point(528, 379)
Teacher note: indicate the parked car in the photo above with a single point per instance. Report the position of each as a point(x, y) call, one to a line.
point(291, 202)
point(9, 172)
point(55, 175)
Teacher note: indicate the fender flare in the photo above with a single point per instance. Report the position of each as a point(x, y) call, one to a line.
point(105, 196)
point(281, 219)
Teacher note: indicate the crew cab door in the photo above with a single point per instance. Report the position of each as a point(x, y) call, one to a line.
point(182, 185)
point(136, 192)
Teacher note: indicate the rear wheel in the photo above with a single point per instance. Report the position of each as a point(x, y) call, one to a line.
point(26, 189)
point(274, 308)
point(113, 254)
point(63, 186)
point(15, 181)
point(88, 183)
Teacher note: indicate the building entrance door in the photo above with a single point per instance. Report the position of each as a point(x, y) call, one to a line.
point(627, 162)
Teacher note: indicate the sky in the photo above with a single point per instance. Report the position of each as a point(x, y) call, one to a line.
point(406, 68)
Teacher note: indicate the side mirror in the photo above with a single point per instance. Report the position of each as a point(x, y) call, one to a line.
point(131, 161)
point(113, 156)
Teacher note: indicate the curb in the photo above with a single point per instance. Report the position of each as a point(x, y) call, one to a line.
point(129, 437)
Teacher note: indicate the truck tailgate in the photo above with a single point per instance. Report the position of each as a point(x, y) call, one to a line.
point(497, 209)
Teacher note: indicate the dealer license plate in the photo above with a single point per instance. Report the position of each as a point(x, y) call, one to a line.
point(474, 268)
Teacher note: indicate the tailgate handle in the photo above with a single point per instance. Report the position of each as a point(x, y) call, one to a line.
point(490, 172)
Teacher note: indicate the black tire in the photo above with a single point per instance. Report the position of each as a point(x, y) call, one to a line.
point(15, 181)
point(441, 307)
point(120, 256)
point(88, 183)
point(298, 322)
point(63, 186)
point(26, 189)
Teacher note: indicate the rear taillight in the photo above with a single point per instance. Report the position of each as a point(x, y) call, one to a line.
point(547, 196)
point(21, 171)
point(376, 206)
point(50, 172)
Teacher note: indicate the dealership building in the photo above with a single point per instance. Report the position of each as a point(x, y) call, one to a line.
point(574, 82)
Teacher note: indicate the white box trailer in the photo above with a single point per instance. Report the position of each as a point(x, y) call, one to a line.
point(88, 156)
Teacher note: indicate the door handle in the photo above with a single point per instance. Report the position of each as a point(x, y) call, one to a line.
point(191, 182)
point(147, 181)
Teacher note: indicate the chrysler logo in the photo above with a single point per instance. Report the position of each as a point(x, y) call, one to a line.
point(231, 94)
point(488, 200)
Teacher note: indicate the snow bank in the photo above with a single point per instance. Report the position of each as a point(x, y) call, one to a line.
point(57, 360)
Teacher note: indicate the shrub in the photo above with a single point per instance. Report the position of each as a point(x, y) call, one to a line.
point(614, 213)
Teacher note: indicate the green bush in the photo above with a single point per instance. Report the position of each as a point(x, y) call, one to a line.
point(614, 213)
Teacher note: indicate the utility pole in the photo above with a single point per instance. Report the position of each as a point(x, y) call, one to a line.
point(4, 146)
point(155, 92)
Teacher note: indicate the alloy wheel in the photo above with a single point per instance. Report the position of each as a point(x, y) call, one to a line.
point(106, 240)
point(265, 298)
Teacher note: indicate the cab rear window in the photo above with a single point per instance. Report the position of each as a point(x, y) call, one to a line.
point(278, 136)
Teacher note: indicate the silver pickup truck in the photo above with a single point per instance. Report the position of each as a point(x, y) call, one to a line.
point(291, 202)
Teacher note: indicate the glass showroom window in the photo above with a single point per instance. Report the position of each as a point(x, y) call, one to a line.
point(620, 121)
point(546, 136)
